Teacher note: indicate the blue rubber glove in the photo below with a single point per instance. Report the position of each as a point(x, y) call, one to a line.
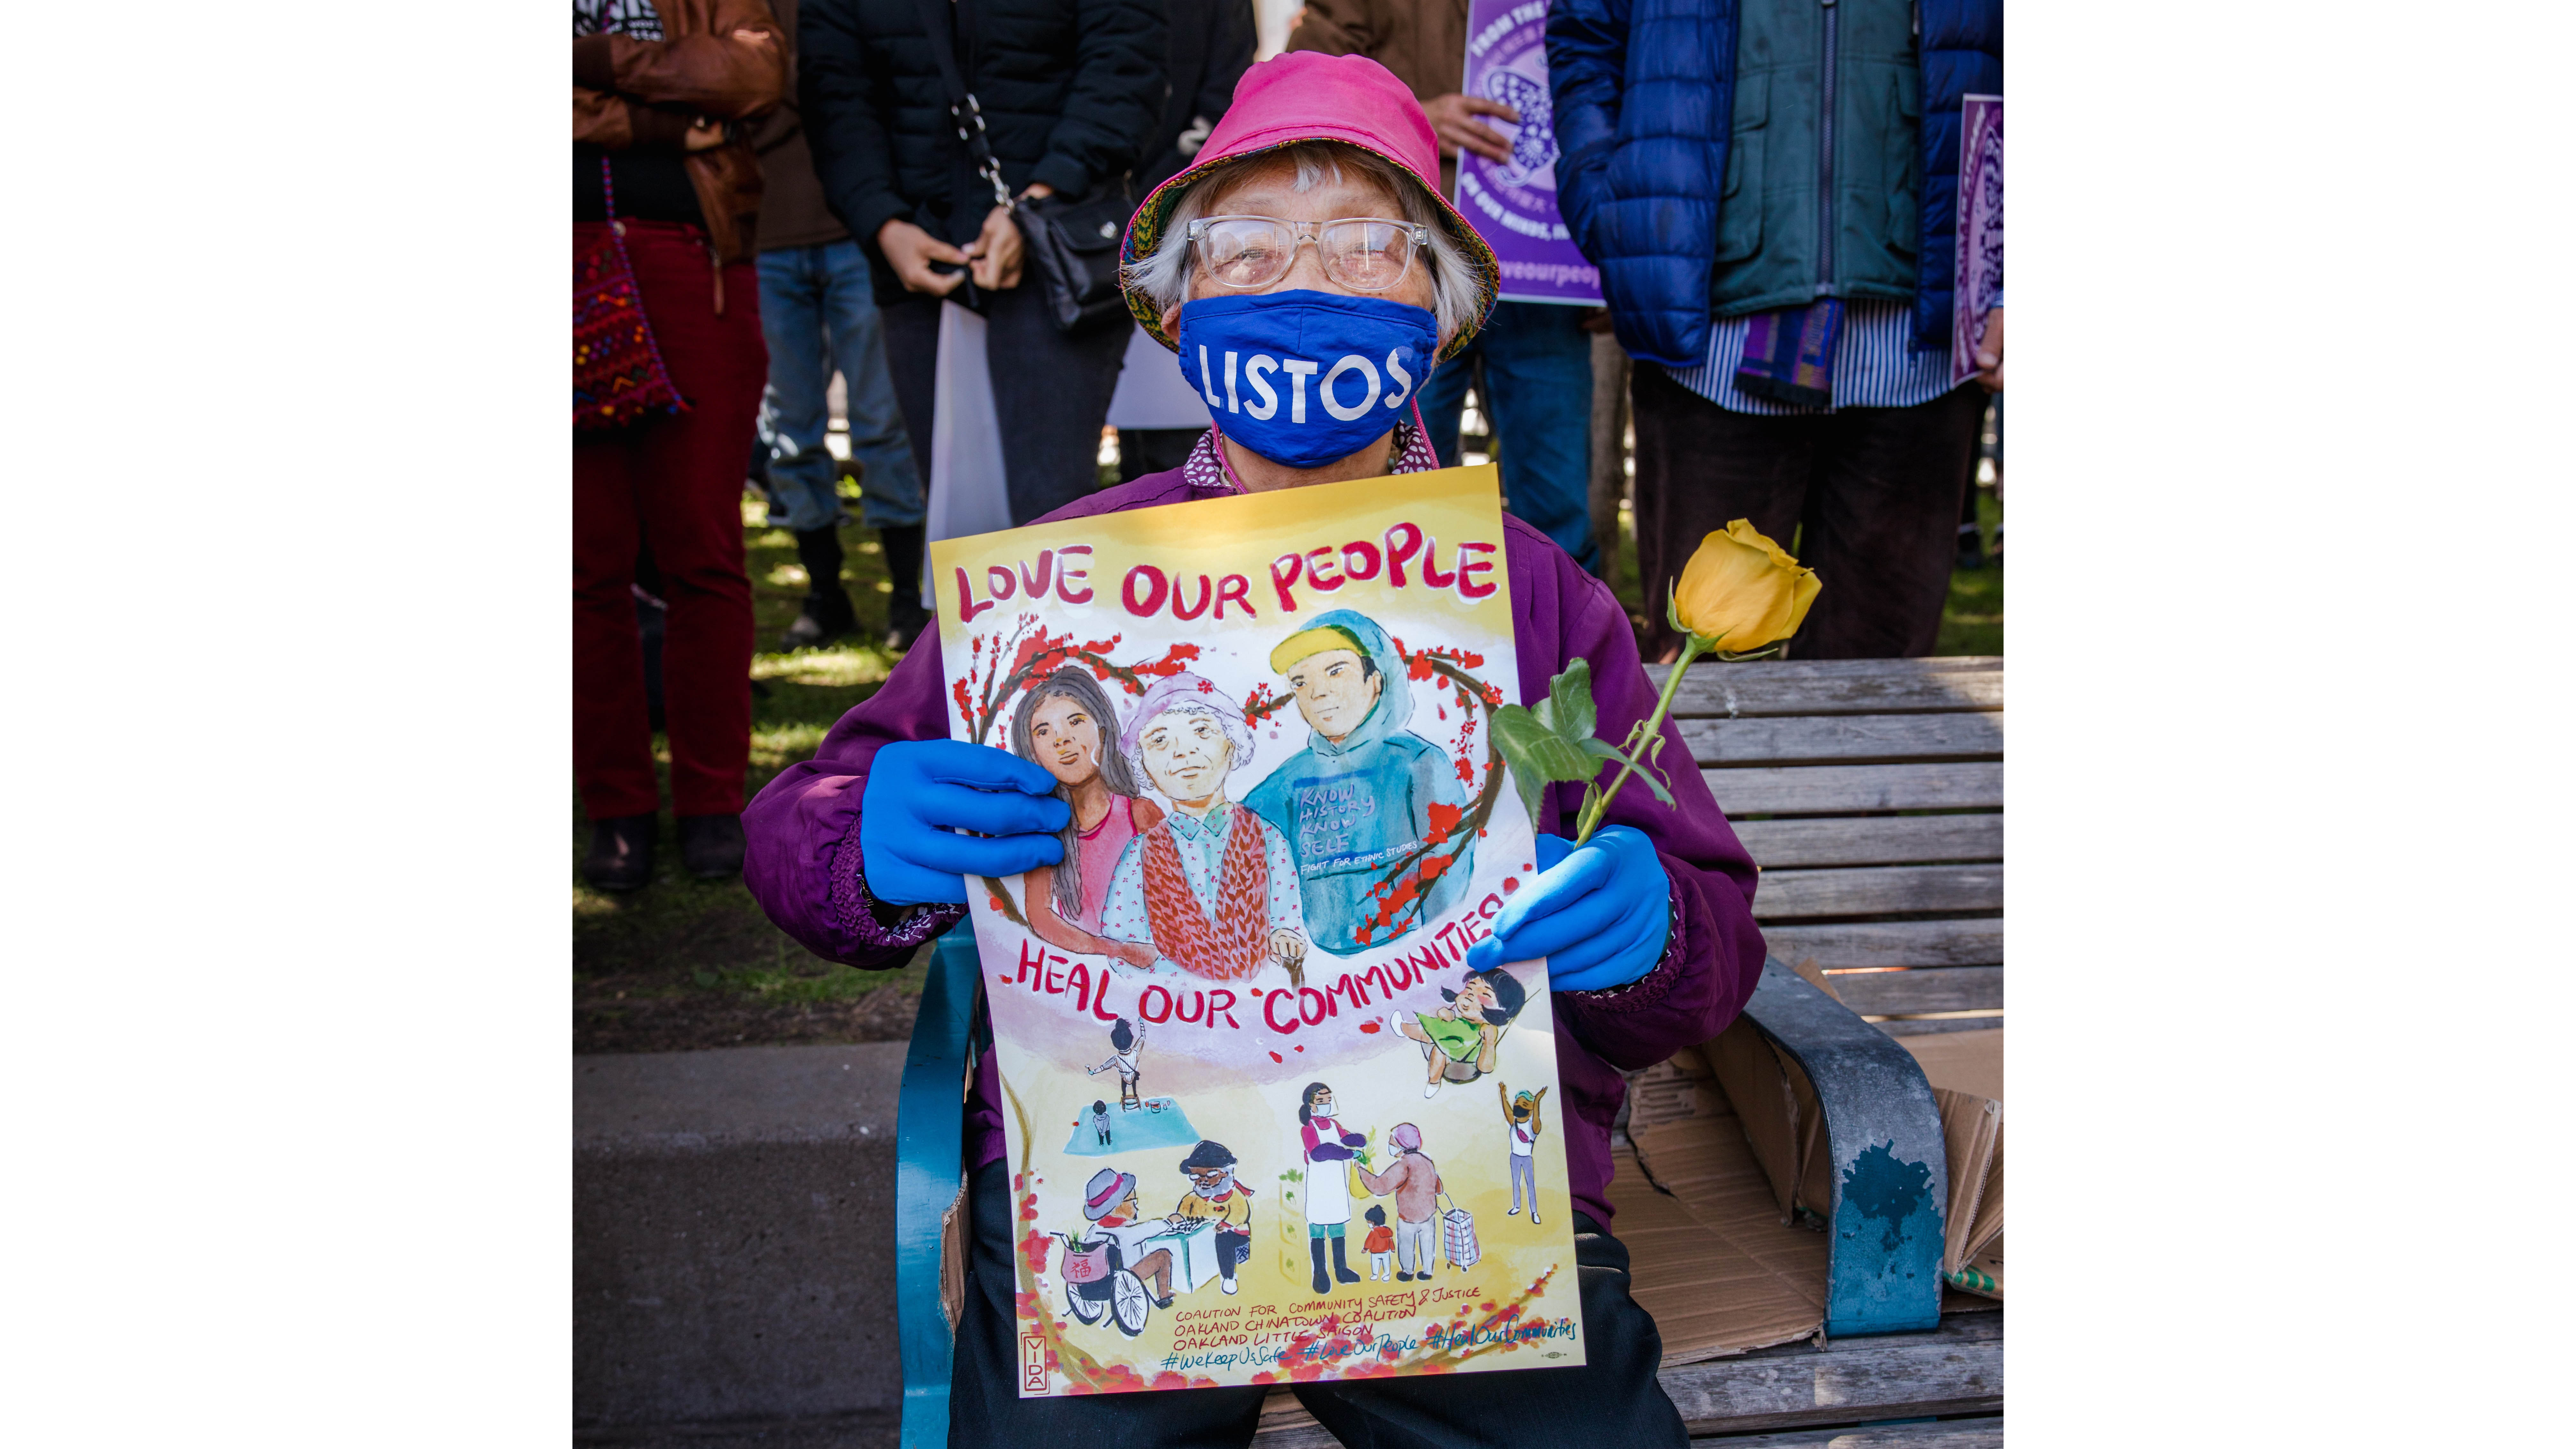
point(1599, 914)
point(920, 793)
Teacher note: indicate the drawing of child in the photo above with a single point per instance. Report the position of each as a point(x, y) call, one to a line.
point(1100, 1121)
point(1211, 889)
point(1061, 724)
point(1458, 1040)
point(1380, 1245)
point(1521, 1120)
point(1126, 1040)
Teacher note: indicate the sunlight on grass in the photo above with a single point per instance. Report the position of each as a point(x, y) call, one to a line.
point(787, 576)
point(837, 668)
point(777, 746)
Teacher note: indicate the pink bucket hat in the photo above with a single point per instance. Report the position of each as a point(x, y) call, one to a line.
point(1306, 95)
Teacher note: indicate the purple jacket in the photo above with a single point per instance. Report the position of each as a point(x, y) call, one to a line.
point(803, 863)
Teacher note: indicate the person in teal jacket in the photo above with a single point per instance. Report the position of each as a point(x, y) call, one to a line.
point(1358, 798)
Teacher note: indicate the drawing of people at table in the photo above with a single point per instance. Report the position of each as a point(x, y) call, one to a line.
point(1211, 888)
point(1356, 802)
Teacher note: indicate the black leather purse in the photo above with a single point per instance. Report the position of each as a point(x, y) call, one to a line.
point(1072, 244)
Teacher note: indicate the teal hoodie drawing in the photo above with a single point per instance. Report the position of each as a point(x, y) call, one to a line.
point(1351, 808)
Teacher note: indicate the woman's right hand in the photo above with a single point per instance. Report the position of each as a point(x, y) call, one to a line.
point(910, 251)
point(920, 796)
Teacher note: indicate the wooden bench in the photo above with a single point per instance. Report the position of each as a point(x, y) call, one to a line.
point(1871, 793)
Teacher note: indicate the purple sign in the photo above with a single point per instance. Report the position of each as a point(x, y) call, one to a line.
point(1513, 202)
point(1978, 275)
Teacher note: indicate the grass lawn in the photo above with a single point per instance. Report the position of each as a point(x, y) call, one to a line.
point(685, 964)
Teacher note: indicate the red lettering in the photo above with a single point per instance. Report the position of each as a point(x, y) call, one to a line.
point(1379, 971)
point(1348, 990)
point(1054, 986)
point(1488, 906)
point(1323, 1006)
point(1100, 996)
point(1270, 1011)
point(1222, 1000)
point(1365, 553)
point(1066, 575)
point(1431, 565)
point(1198, 1005)
point(1283, 572)
point(966, 598)
point(1318, 560)
point(1153, 580)
point(1000, 582)
point(1078, 980)
point(1179, 611)
point(1468, 588)
point(1397, 553)
point(1032, 956)
point(1145, 1004)
point(1036, 583)
point(1235, 587)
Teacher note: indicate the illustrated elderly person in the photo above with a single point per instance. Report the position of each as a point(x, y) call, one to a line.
point(1356, 803)
point(1211, 887)
point(1309, 228)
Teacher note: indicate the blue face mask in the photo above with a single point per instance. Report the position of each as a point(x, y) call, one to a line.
point(1306, 378)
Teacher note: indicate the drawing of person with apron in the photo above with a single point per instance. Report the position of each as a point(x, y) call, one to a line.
point(1328, 1185)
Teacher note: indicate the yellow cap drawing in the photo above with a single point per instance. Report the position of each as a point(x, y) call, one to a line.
point(1313, 642)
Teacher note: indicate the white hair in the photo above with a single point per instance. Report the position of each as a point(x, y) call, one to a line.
point(1237, 734)
point(1163, 277)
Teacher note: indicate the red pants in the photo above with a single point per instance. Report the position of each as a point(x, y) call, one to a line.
point(673, 483)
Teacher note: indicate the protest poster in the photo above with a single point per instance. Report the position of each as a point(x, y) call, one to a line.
point(1513, 201)
point(1263, 1123)
point(1978, 273)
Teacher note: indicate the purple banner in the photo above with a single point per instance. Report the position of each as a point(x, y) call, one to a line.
point(1978, 275)
point(1513, 202)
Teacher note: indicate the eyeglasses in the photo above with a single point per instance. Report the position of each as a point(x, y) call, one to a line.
point(1363, 253)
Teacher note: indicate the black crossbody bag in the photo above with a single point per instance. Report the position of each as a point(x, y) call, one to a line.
point(1072, 245)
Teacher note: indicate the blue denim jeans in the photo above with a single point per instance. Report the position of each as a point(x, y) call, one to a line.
point(1538, 393)
point(819, 316)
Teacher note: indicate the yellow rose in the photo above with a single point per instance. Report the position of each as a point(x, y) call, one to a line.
point(1741, 591)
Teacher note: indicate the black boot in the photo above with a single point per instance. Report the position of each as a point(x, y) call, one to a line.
point(905, 618)
point(711, 845)
point(1341, 1269)
point(827, 614)
point(1315, 1246)
point(621, 853)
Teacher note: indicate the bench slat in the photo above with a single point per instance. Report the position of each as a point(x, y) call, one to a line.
point(1890, 943)
point(1955, 1369)
point(1878, 890)
point(1837, 686)
point(1878, 840)
point(1987, 1433)
point(1929, 988)
point(1845, 789)
point(1845, 737)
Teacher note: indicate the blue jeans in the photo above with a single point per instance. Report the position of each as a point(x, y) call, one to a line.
point(819, 315)
point(1538, 392)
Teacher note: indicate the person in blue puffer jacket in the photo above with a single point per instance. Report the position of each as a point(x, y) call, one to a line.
point(1768, 187)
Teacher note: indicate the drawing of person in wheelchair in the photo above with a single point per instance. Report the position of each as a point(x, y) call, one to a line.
point(1099, 1281)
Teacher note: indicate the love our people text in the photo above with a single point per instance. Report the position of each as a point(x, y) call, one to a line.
point(1406, 556)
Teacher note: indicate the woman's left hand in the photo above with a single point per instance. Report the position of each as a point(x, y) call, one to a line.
point(1599, 913)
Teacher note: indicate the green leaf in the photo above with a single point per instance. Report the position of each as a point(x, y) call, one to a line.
point(1604, 750)
point(1569, 701)
point(1536, 754)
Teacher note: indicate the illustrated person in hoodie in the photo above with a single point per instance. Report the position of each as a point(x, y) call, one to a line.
point(1357, 800)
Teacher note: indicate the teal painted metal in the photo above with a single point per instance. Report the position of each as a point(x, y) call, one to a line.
point(1891, 1169)
point(929, 1147)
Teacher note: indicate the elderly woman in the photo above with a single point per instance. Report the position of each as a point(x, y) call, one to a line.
point(1307, 232)
point(1212, 887)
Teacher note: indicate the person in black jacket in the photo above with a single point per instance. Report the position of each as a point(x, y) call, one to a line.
point(1069, 90)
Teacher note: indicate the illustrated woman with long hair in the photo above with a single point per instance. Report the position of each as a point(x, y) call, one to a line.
point(1062, 725)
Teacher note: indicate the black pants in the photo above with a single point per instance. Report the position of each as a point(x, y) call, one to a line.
point(1050, 389)
point(1612, 1400)
point(1877, 488)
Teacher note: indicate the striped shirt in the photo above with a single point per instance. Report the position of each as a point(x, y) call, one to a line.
point(1874, 364)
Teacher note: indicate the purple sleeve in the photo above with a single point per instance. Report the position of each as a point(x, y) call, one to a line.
point(1714, 955)
point(802, 831)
